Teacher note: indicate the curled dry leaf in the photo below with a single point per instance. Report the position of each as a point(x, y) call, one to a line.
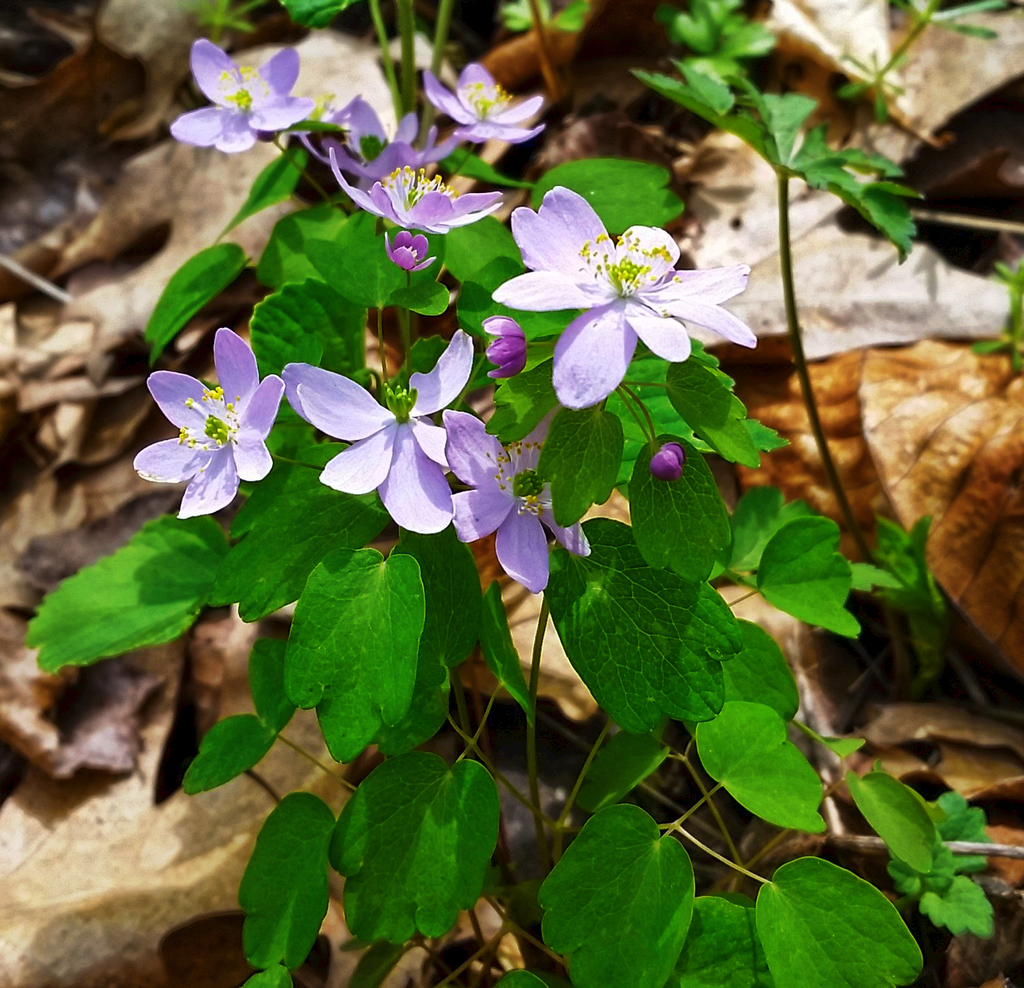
point(944, 426)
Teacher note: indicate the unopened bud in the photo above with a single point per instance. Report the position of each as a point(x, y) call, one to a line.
point(508, 351)
point(667, 463)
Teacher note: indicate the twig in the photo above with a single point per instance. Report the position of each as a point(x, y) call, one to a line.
point(875, 845)
point(35, 280)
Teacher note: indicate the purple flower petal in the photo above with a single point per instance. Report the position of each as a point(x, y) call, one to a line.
point(333, 403)
point(548, 291)
point(236, 368)
point(712, 286)
point(415, 492)
point(360, 198)
point(213, 488)
point(407, 129)
point(180, 398)
point(252, 458)
point(279, 113)
point(472, 453)
point(363, 466)
point(665, 336)
point(478, 513)
point(281, 72)
point(715, 318)
point(202, 128)
point(260, 413)
point(572, 537)
point(520, 112)
point(592, 355)
point(214, 71)
point(651, 246)
point(474, 74)
point(362, 121)
point(431, 438)
point(169, 462)
point(522, 549)
point(235, 135)
point(445, 382)
point(550, 239)
point(485, 130)
point(444, 100)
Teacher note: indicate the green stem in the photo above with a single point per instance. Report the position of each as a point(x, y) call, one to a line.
point(320, 190)
point(706, 794)
point(707, 850)
point(407, 29)
point(559, 829)
point(441, 25)
point(295, 463)
point(405, 327)
point(923, 20)
point(531, 734)
point(800, 361)
point(629, 400)
point(380, 345)
point(310, 757)
point(385, 54)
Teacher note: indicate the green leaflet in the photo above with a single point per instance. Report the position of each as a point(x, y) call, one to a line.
point(500, 652)
point(473, 166)
point(758, 515)
point(315, 13)
point(646, 642)
point(353, 645)
point(471, 248)
point(961, 908)
point(746, 749)
point(722, 949)
point(274, 184)
point(760, 673)
point(802, 574)
point(289, 525)
point(521, 402)
point(619, 901)
point(284, 888)
point(580, 457)
point(285, 259)
point(274, 977)
point(897, 814)
point(198, 281)
point(146, 593)
point(414, 843)
point(823, 927)
point(619, 767)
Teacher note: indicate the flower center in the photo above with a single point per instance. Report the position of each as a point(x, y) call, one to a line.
point(527, 484)
point(221, 422)
point(486, 99)
point(370, 146)
point(217, 429)
point(408, 187)
point(626, 264)
point(242, 95)
point(400, 401)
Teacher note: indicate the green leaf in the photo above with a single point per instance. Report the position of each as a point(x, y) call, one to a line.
point(308, 323)
point(274, 977)
point(146, 593)
point(722, 949)
point(620, 766)
point(623, 193)
point(315, 13)
point(572, 17)
point(290, 524)
point(840, 747)
point(414, 843)
point(802, 574)
point(355, 263)
point(471, 248)
point(284, 888)
point(232, 746)
point(466, 163)
point(353, 645)
point(198, 281)
point(678, 523)
point(962, 908)
point(758, 515)
point(580, 457)
point(703, 397)
point(274, 184)
point(376, 964)
point(646, 642)
point(867, 577)
point(784, 116)
point(266, 683)
point(284, 259)
point(522, 979)
point(963, 822)
point(521, 402)
point(823, 927)
point(897, 815)
point(619, 901)
point(427, 711)
point(452, 588)
point(429, 298)
point(760, 673)
point(499, 650)
point(746, 749)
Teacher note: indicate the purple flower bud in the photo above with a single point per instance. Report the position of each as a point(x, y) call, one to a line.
point(667, 463)
point(508, 351)
point(408, 252)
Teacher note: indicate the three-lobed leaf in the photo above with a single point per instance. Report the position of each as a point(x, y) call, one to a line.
point(146, 593)
point(619, 901)
point(746, 749)
point(284, 888)
point(414, 843)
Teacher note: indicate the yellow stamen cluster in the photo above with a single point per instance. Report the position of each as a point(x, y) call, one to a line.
point(527, 486)
point(413, 185)
point(242, 96)
point(219, 427)
point(486, 99)
point(628, 273)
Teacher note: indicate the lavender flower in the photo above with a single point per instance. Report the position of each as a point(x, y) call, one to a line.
point(668, 462)
point(412, 200)
point(250, 102)
point(629, 287)
point(507, 496)
point(508, 351)
point(222, 429)
point(407, 251)
point(482, 108)
point(369, 155)
point(395, 450)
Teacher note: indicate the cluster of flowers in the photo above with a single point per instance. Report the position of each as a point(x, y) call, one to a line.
point(628, 288)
